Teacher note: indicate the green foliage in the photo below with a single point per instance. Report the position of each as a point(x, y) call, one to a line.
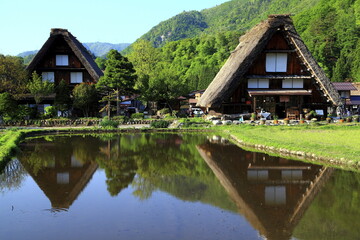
point(62, 98)
point(13, 77)
point(145, 58)
point(8, 105)
point(334, 213)
point(107, 123)
point(119, 79)
point(119, 74)
point(331, 32)
point(120, 119)
point(159, 124)
point(85, 97)
point(50, 112)
point(183, 25)
point(100, 61)
point(8, 143)
point(39, 88)
point(137, 116)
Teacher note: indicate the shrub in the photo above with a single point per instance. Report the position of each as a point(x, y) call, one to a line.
point(137, 116)
point(163, 111)
point(50, 112)
point(120, 119)
point(106, 123)
point(159, 124)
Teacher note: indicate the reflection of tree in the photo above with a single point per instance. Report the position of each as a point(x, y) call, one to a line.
point(12, 175)
point(166, 162)
point(119, 164)
point(335, 213)
point(143, 188)
point(39, 158)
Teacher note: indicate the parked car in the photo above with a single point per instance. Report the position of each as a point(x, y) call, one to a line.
point(196, 112)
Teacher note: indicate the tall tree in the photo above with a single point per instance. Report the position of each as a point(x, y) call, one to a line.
point(145, 58)
point(84, 97)
point(119, 77)
point(13, 76)
point(62, 98)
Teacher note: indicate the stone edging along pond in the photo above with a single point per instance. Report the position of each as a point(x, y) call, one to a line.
point(296, 155)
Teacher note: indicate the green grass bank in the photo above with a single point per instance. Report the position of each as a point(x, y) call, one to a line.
point(334, 144)
point(8, 143)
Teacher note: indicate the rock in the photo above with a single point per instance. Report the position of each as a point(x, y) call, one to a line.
point(216, 122)
point(227, 122)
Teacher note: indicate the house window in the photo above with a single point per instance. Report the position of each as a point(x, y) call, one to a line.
point(293, 83)
point(276, 62)
point(63, 178)
point(48, 76)
point(258, 83)
point(62, 60)
point(344, 94)
point(257, 175)
point(275, 195)
point(292, 174)
point(76, 77)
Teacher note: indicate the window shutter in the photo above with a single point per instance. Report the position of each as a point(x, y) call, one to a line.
point(298, 83)
point(281, 62)
point(76, 77)
point(48, 76)
point(287, 83)
point(275, 195)
point(263, 83)
point(271, 62)
point(63, 178)
point(62, 60)
point(252, 83)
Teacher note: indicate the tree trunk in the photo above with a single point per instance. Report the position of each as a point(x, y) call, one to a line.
point(109, 108)
point(117, 102)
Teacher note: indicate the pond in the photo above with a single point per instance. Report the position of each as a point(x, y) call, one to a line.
point(170, 186)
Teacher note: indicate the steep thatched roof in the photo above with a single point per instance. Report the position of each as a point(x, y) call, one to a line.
point(251, 45)
point(79, 50)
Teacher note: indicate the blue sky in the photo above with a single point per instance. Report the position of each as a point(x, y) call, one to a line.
point(25, 24)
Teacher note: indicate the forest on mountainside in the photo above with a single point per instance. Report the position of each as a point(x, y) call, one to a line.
point(330, 29)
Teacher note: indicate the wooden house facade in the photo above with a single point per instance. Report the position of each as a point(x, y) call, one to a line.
point(272, 70)
point(63, 57)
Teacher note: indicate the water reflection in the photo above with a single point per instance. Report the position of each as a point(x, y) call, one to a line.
point(272, 193)
point(59, 171)
point(280, 198)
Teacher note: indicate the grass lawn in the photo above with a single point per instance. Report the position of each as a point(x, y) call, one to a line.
point(331, 141)
point(8, 142)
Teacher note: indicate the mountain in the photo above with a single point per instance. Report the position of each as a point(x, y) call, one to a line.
point(27, 53)
point(235, 15)
point(97, 48)
point(100, 49)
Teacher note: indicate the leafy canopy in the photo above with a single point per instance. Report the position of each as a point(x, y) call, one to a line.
point(39, 88)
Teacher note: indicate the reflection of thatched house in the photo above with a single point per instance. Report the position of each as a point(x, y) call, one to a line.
point(63, 179)
point(272, 193)
point(270, 69)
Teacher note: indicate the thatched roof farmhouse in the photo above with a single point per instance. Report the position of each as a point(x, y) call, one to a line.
point(64, 57)
point(271, 69)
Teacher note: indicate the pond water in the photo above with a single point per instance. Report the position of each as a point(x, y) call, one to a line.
point(170, 186)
